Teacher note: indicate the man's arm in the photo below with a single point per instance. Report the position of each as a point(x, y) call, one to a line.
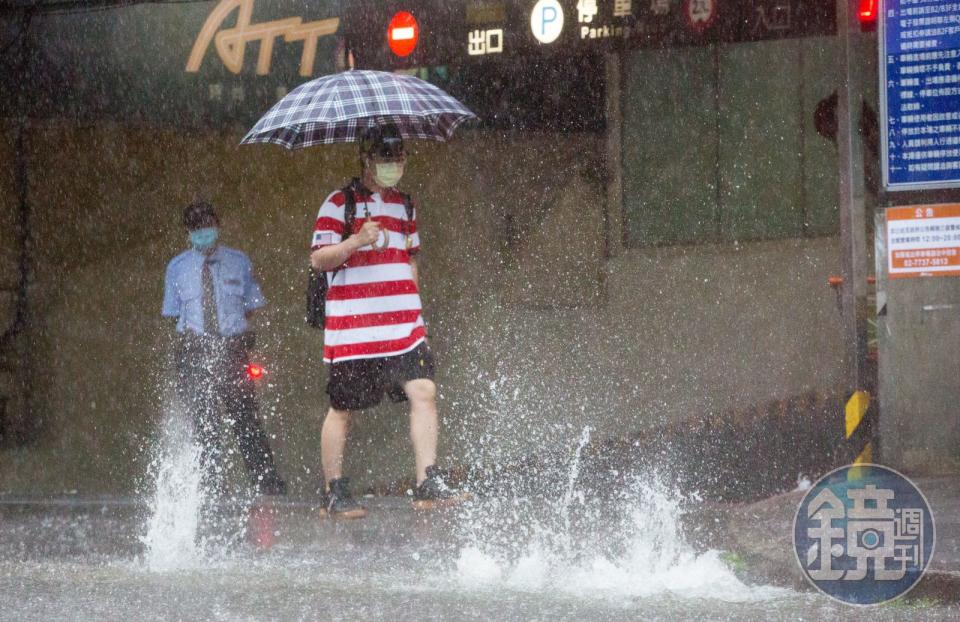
point(171, 298)
point(253, 297)
point(335, 255)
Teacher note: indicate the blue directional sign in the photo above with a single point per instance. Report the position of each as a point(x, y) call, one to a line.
point(920, 93)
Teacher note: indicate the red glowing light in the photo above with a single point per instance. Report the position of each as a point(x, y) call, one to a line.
point(254, 371)
point(867, 11)
point(403, 33)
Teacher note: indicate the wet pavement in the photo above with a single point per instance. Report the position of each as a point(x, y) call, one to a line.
point(74, 559)
point(760, 534)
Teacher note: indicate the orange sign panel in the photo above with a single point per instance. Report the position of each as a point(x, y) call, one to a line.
point(923, 240)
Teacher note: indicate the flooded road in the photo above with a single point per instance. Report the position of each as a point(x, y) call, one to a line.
point(84, 560)
point(181, 552)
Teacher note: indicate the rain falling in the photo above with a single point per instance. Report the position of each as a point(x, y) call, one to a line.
point(479, 309)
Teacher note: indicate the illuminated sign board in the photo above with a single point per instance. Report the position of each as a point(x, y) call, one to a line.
point(231, 42)
point(481, 42)
point(484, 30)
point(197, 64)
point(920, 94)
point(228, 60)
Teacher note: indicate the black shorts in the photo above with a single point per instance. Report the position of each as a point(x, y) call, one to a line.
point(361, 383)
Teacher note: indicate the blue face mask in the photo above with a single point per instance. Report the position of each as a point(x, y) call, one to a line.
point(203, 239)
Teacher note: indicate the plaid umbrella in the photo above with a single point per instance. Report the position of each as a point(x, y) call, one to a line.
point(337, 108)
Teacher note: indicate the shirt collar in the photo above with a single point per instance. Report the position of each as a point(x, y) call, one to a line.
point(213, 257)
point(361, 192)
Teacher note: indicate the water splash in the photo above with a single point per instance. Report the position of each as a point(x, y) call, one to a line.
point(171, 536)
point(618, 547)
point(572, 475)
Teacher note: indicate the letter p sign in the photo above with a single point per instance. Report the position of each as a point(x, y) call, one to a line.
point(546, 20)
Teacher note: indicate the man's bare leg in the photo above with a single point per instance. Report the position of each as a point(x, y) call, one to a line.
point(422, 394)
point(333, 440)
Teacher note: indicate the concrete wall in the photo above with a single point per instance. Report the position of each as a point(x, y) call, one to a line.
point(535, 333)
point(919, 381)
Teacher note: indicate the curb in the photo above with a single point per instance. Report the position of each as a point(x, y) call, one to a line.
point(940, 585)
point(757, 535)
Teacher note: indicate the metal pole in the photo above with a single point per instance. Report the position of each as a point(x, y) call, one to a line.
point(852, 209)
point(12, 353)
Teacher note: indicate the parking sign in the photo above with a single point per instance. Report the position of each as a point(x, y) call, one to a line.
point(546, 20)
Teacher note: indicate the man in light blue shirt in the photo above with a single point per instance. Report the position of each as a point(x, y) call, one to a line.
point(237, 295)
point(211, 292)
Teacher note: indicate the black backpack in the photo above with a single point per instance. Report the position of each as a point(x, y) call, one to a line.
point(317, 279)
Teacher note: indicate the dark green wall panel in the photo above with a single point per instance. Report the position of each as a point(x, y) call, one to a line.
point(669, 146)
point(760, 141)
point(821, 176)
point(740, 115)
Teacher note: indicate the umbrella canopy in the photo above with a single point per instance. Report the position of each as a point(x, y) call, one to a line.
point(338, 107)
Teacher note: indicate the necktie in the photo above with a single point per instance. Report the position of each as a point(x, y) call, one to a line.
point(210, 325)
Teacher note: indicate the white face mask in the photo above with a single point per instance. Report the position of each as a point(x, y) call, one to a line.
point(388, 173)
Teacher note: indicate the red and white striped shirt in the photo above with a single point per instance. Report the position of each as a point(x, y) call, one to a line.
point(373, 307)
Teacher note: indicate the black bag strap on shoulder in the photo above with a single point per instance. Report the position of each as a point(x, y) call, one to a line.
point(349, 213)
point(350, 205)
point(317, 284)
point(407, 205)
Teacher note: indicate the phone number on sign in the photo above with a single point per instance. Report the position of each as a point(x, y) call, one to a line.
point(926, 262)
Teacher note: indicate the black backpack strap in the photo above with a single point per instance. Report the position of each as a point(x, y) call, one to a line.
point(408, 206)
point(349, 214)
point(350, 206)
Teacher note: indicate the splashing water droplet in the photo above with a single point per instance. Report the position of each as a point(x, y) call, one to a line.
point(170, 540)
point(590, 545)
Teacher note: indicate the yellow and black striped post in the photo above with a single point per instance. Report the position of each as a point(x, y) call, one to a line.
point(860, 416)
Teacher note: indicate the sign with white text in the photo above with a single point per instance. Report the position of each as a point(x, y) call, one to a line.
point(923, 240)
point(920, 93)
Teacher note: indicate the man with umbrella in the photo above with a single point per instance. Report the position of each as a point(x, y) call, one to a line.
point(374, 337)
point(366, 240)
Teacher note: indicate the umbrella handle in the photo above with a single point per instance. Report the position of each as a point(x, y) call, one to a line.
point(385, 232)
point(386, 241)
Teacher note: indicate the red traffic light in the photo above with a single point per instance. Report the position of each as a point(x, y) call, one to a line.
point(403, 33)
point(867, 13)
point(255, 371)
